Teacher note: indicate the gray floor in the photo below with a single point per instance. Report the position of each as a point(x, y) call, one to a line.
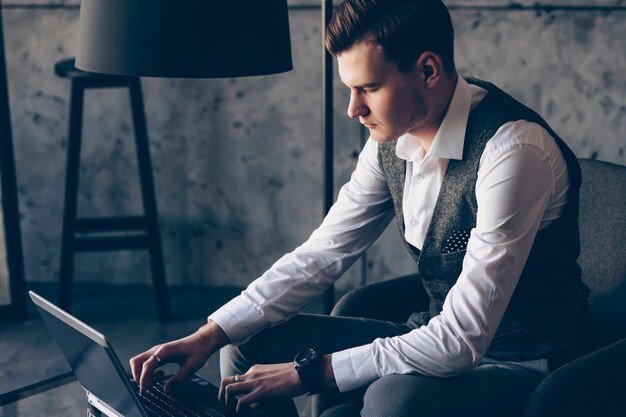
point(125, 314)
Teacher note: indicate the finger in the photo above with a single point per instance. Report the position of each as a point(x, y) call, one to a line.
point(220, 392)
point(148, 367)
point(221, 395)
point(234, 391)
point(248, 399)
point(136, 363)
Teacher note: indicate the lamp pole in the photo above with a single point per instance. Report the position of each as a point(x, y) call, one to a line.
point(327, 129)
point(13, 280)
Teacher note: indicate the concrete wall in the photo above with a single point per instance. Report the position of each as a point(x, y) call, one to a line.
point(238, 161)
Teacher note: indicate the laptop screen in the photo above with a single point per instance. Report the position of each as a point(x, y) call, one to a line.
point(95, 364)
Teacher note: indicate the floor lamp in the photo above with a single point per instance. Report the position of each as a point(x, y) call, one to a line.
point(328, 142)
point(328, 300)
point(12, 281)
point(184, 38)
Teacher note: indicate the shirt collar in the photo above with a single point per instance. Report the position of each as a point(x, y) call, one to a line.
point(449, 139)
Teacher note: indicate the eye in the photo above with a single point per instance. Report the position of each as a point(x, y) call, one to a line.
point(368, 90)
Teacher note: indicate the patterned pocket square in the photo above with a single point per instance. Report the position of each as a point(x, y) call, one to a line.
point(456, 242)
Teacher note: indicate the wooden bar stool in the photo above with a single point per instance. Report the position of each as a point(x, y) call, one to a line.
point(124, 232)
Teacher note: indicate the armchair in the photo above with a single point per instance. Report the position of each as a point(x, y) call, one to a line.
point(592, 385)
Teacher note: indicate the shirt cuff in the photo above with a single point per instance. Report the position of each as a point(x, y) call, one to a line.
point(354, 368)
point(239, 320)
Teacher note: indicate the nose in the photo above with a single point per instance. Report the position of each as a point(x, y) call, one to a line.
point(356, 107)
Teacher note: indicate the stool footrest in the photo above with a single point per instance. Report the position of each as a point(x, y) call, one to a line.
point(110, 224)
point(111, 243)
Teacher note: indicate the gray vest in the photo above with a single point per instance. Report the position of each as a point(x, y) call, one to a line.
point(549, 303)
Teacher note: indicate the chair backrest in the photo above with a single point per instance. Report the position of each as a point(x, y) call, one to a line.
point(603, 244)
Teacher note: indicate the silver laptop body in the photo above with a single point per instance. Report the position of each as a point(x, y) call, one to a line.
point(102, 375)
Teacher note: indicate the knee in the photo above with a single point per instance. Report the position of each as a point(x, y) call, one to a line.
point(233, 361)
point(392, 395)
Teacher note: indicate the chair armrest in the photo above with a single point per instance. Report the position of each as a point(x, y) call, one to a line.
point(593, 385)
point(391, 300)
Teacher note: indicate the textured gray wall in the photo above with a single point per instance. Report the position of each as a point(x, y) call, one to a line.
point(238, 161)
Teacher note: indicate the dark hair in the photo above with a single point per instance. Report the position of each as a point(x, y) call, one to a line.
point(403, 28)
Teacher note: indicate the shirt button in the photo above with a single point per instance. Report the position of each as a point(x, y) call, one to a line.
point(420, 177)
point(413, 222)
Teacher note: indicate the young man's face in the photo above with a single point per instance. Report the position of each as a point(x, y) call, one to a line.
point(387, 101)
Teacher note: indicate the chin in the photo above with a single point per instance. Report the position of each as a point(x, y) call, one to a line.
point(381, 137)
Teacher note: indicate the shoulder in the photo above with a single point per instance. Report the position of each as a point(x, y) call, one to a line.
point(517, 137)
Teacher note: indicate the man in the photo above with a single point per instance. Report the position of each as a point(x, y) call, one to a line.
point(486, 198)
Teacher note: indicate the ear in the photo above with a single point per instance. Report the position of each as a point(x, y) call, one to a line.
point(430, 66)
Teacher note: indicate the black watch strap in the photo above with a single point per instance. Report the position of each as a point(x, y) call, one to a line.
point(308, 364)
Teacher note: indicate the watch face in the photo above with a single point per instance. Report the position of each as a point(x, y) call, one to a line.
point(305, 357)
point(308, 365)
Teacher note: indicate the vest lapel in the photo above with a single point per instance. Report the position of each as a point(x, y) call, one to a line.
point(395, 172)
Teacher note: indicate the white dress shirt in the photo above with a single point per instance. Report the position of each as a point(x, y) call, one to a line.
point(521, 188)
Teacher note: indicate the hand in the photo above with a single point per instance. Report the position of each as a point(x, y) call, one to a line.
point(260, 382)
point(190, 353)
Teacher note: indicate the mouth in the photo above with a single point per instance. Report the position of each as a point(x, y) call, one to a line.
point(369, 125)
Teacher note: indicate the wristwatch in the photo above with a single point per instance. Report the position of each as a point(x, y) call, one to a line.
point(308, 364)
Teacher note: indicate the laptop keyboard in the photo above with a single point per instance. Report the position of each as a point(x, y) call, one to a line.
point(158, 404)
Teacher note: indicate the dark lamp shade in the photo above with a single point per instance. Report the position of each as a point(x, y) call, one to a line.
point(184, 38)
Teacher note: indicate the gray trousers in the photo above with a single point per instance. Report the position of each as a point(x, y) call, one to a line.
point(493, 389)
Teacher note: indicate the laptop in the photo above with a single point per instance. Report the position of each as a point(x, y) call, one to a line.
point(107, 385)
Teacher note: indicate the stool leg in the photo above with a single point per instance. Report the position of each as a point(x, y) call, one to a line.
point(66, 271)
point(157, 264)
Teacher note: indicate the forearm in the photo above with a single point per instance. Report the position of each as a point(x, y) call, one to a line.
point(212, 336)
point(280, 293)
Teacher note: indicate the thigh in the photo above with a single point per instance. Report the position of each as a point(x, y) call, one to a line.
point(281, 343)
point(489, 391)
point(325, 333)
